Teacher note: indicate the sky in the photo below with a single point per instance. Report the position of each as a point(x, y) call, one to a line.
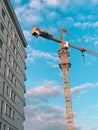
point(45, 106)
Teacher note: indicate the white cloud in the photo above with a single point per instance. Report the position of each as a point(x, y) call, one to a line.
point(86, 24)
point(78, 24)
point(27, 34)
point(52, 2)
point(17, 1)
point(52, 15)
point(48, 88)
point(39, 112)
point(95, 24)
point(36, 4)
point(30, 16)
point(45, 118)
point(96, 43)
point(95, 106)
point(33, 54)
point(79, 128)
point(94, 128)
point(90, 117)
point(83, 87)
point(52, 64)
point(95, 2)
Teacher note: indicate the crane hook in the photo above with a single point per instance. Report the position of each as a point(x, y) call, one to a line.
point(83, 56)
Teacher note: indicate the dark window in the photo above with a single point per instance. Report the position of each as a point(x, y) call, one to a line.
point(4, 127)
point(9, 74)
point(0, 62)
point(13, 115)
point(4, 70)
point(10, 128)
point(6, 54)
point(3, 13)
point(15, 82)
point(7, 91)
point(11, 30)
point(1, 27)
point(3, 88)
point(7, 38)
point(12, 78)
point(2, 107)
point(10, 114)
point(0, 125)
point(8, 24)
point(9, 58)
point(1, 43)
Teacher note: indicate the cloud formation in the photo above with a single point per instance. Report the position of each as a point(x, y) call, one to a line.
point(82, 88)
point(94, 128)
point(40, 114)
point(51, 58)
point(48, 88)
point(33, 16)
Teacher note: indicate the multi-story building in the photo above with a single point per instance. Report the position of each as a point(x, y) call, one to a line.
point(12, 67)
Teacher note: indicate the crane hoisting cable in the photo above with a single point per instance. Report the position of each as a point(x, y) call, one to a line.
point(63, 54)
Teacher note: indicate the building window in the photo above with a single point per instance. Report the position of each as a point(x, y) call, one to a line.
point(12, 78)
point(1, 27)
point(6, 54)
point(11, 30)
point(4, 70)
point(3, 88)
point(9, 58)
point(1, 43)
point(9, 73)
point(8, 110)
point(0, 62)
point(10, 128)
point(7, 38)
point(2, 103)
point(13, 96)
point(0, 125)
point(3, 13)
point(8, 24)
point(10, 114)
point(7, 90)
point(16, 54)
point(15, 82)
point(13, 115)
point(4, 127)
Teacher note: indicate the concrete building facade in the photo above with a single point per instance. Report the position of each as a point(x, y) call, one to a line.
point(12, 67)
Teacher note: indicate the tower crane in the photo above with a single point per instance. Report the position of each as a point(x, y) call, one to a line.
point(63, 54)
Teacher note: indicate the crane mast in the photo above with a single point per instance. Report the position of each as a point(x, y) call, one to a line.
point(64, 65)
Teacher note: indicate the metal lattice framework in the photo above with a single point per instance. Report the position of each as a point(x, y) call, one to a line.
point(64, 65)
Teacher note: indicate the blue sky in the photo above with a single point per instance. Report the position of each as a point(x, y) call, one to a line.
point(45, 109)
